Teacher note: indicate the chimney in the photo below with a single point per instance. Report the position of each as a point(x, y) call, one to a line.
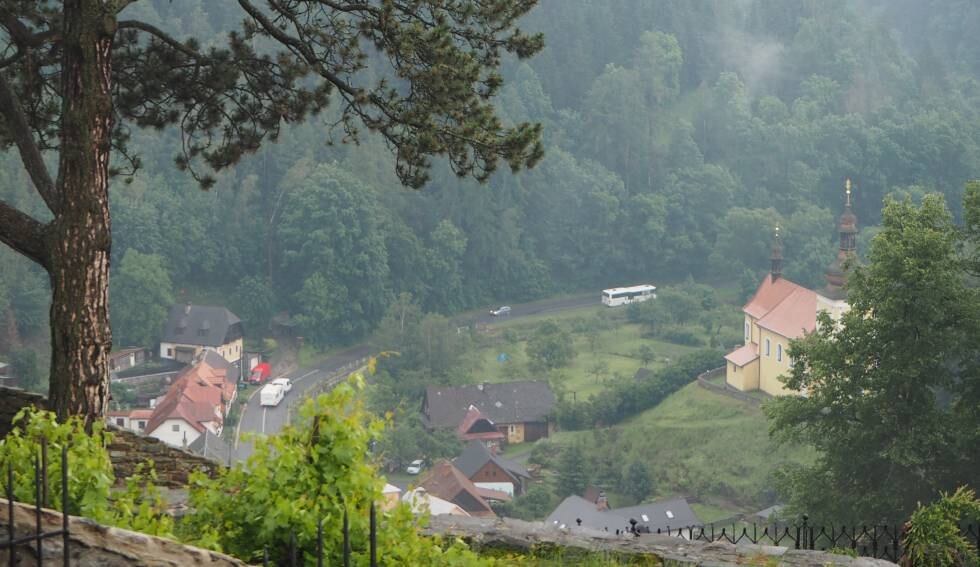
point(187, 309)
point(479, 386)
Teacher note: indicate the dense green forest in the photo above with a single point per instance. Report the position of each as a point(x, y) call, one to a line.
point(677, 134)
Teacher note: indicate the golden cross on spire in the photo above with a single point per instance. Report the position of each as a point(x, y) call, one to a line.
point(847, 189)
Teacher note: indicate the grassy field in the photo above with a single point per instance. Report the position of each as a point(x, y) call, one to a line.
point(705, 444)
point(616, 347)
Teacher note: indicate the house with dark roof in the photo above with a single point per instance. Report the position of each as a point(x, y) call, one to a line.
point(447, 482)
point(488, 470)
point(211, 446)
point(192, 329)
point(663, 515)
point(477, 427)
point(519, 410)
point(781, 311)
point(127, 358)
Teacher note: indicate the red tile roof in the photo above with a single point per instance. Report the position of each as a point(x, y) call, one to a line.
point(743, 355)
point(195, 396)
point(783, 307)
point(794, 316)
point(485, 429)
point(447, 482)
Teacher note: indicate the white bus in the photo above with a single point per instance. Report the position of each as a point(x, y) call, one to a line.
point(626, 295)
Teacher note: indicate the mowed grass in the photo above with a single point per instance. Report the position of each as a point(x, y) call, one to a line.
point(705, 444)
point(616, 347)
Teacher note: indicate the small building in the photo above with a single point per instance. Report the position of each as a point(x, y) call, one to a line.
point(671, 514)
point(127, 358)
point(477, 427)
point(421, 502)
point(211, 446)
point(191, 329)
point(487, 470)
point(445, 481)
point(197, 401)
point(390, 495)
point(519, 410)
point(134, 420)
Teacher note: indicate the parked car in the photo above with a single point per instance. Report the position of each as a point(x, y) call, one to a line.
point(260, 373)
point(415, 467)
point(505, 310)
point(285, 383)
point(271, 395)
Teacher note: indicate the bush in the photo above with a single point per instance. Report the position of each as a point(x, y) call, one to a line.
point(681, 336)
point(90, 478)
point(933, 535)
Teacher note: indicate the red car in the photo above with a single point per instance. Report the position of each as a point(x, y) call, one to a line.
point(260, 373)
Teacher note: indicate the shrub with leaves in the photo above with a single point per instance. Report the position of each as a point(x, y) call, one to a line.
point(933, 535)
point(304, 474)
point(138, 506)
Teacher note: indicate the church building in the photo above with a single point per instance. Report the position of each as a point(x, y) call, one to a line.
point(781, 310)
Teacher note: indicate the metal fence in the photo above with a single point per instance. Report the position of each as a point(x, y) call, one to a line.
point(13, 541)
point(880, 542)
point(296, 556)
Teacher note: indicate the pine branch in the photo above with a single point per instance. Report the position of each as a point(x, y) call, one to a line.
point(162, 36)
point(23, 233)
point(30, 154)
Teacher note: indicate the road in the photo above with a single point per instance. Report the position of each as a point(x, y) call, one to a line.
point(269, 420)
point(258, 419)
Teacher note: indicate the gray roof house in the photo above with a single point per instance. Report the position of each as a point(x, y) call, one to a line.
point(480, 464)
point(663, 515)
point(508, 405)
point(211, 446)
point(191, 328)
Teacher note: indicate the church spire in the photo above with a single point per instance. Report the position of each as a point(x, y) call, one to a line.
point(836, 273)
point(776, 259)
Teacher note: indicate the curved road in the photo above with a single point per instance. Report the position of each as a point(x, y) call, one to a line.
point(268, 420)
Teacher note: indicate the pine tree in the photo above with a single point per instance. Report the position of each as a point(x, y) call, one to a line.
point(573, 472)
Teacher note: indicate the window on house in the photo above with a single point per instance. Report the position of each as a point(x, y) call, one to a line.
point(746, 331)
point(120, 421)
point(170, 352)
point(175, 427)
point(779, 353)
point(767, 347)
point(141, 424)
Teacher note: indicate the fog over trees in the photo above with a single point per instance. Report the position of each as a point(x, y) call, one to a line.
point(676, 134)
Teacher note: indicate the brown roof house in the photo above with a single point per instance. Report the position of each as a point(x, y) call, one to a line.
point(477, 427)
point(487, 470)
point(519, 410)
point(447, 482)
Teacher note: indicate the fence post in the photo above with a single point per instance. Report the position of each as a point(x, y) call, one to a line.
point(37, 507)
point(319, 543)
point(10, 507)
point(346, 540)
point(374, 537)
point(64, 504)
point(44, 472)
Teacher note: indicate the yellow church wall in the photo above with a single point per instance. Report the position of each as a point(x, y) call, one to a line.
point(770, 365)
point(745, 378)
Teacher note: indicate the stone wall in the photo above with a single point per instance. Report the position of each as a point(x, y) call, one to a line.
point(94, 545)
point(127, 449)
point(507, 534)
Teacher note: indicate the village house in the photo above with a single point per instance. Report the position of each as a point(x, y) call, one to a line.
point(447, 482)
point(133, 420)
point(662, 515)
point(488, 470)
point(197, 401)
point(477, 427)
point(422, 502)
point(781, 310)
point(518, 410)
point(127, 358)
point(191, 329)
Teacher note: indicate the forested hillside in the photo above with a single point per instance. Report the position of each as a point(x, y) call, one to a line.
point(677, 134)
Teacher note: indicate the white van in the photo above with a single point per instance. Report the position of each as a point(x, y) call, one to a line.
point(271, 395)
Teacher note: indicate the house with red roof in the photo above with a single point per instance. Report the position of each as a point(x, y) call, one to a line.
point(196, 402)
point(447, 482)
point(477, 427)
point(781, 311)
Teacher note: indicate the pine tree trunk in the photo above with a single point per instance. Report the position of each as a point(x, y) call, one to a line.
point(79, 237)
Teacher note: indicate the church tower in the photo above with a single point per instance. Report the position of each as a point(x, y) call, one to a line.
point(776, 259)
point(836, 273)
